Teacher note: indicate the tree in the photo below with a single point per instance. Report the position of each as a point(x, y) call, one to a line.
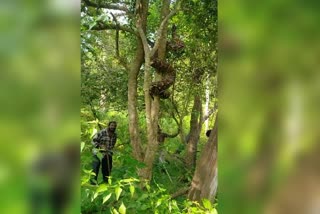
point(205, 180)
point(136, 17)
point(200, 66)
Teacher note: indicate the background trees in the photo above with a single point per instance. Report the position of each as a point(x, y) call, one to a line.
point(129, 49)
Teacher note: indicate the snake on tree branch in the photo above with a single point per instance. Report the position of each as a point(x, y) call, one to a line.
point(159, 88)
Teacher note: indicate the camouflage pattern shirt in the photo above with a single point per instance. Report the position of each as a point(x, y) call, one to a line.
point(104, 142)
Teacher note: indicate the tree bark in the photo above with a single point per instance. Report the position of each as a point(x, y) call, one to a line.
point(153, 105)
point(142, 9)
point(205, 180)
point(195, 129)
point(132, 104)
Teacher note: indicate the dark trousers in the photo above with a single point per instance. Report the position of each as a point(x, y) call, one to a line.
point(106, 165)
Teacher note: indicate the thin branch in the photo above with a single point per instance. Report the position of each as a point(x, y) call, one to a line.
point(110, 26)
point(180, 192)
point(175, 119)
point(123, 61)
point(173, 135)
point(117, 15)
point(106, 6)
point(176, 110)
point(117, 35)
point(143, 39)
point(162, 27)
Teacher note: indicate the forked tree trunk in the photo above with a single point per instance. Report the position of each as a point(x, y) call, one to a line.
point(205, 180)
point(195, 122)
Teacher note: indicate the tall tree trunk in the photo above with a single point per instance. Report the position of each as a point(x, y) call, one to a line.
point(145, 173)
point(195, 129)
point(205, 180)
point(141, 9)
point(132, 103)
point(153, 105)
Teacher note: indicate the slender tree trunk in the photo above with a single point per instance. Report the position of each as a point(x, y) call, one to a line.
point(141, 9)
point(153, 106)
point(195, 129)
point(151, 133)
point(132, 103)
point(205, 180)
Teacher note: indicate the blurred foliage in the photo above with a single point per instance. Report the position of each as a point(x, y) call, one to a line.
point(268, 92)
point(39, 93)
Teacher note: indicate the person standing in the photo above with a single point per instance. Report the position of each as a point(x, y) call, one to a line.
point(104, 142)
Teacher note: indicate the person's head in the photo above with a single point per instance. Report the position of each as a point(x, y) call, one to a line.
point(112, 126)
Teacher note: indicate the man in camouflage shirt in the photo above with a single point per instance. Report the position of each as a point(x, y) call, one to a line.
point(104, 142)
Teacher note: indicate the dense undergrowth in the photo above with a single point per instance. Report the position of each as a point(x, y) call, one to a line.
point(125, 192)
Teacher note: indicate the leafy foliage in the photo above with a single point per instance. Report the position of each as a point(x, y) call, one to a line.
point(124, 194)
point(104, 94)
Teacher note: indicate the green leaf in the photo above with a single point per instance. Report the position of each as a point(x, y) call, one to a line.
point(128, 180)
point(118, 191)
point(159, 203)
point(148, 187)
point(207, 204)
point(82, 146)
point(106, 198)
point(114, 211)
point(144, 207)
point(122, 209)
point(94, 196)
point(92, 25)
point(174, 204)
point(94, 131)
point(102, 188)
point(85, 180)
point(131, 190)
point(87, 171)
point(142, 197)
point(103, 18)
point(214, 211)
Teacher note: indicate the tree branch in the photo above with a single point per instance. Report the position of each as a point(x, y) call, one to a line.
point(110, 26)
point(122, 60)
point(176, 110)
point(143, 39)
point(117, 35)
point(173, 135)
point(162, 27)
point(106, 6)
point(180, 192)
